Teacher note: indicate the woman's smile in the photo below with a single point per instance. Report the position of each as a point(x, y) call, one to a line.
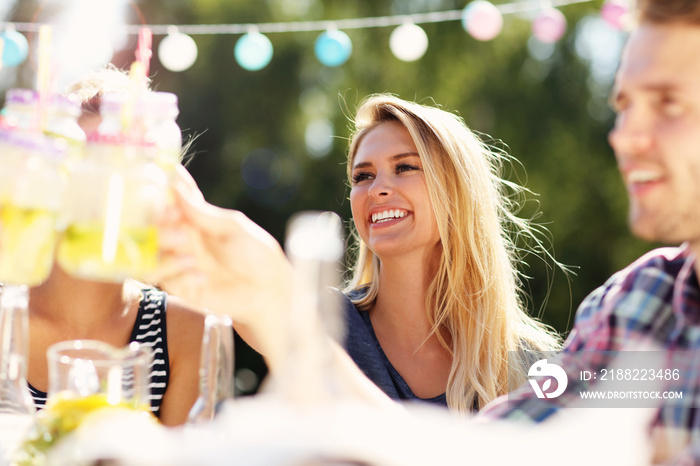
point(389, 196)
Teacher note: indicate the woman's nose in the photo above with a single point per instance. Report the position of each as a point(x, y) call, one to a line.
point(381, 187)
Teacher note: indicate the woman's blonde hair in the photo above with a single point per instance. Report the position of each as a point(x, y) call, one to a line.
point(476, 292)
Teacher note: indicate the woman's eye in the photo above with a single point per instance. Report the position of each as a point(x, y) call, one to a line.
point(360, 177)
point(404, 167)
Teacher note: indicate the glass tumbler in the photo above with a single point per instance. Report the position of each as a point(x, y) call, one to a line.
point(215, 369)
point(112, 202)
point(86, 376)
point(14, 345)
point(99, 374)
point(32, 183)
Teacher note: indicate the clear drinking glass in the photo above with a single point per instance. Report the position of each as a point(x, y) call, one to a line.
point(314, 245)
point(114, 197)
point(98, 371)
point(14, 345)
point(86, 376)
point(112, 203)
point(32, 183)
point(215, 369)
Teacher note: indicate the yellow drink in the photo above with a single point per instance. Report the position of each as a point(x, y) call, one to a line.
point(61, 416)
point(27, 240)
point(80, 251)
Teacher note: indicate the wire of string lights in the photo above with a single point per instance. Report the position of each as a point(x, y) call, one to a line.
point(333, 47)
point(319, 25)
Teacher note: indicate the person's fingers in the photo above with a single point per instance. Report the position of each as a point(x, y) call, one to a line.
point(206, 217)
point(171, 266)
point(183, 177)
point(211, 219)
point(189, 287)
point(174, 238)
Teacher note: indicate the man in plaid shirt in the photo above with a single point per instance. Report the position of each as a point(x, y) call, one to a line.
point(656, 299)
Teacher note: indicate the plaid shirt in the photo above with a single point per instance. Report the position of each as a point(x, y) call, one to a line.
point(656, 299)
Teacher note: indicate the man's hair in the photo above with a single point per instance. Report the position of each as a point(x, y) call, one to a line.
point(667, 11)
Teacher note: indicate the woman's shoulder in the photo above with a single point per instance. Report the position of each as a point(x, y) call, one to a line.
point(152, 297)
point(185, 330)
point(180, 313)
point(357, 293)
point(184, 323)
point(350, 307)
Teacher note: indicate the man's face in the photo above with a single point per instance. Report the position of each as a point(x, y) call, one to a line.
point(656, 137)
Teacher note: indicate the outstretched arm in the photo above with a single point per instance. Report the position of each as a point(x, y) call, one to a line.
point(220, 260)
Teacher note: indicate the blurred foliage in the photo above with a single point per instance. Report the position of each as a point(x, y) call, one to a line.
point(539, 110)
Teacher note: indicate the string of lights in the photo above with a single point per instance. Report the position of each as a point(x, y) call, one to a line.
point(318, 25)
point(253, 51)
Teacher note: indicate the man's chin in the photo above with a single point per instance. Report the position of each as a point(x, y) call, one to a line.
point(656, 234)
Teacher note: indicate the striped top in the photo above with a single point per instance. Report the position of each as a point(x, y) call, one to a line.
point(149, 330)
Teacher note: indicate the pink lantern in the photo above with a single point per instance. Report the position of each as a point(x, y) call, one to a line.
point(614, 13)
point(549, 26)
point(482, 20)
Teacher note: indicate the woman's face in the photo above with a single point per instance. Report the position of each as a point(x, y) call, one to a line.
point(389, 198)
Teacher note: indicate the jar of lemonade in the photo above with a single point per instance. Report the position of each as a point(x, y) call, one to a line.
point(112, 202)
point(62, 123)
point(32, 183)
point(157, 114)
point(21, 112)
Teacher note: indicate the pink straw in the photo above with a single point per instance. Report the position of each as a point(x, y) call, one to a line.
point(143, 51)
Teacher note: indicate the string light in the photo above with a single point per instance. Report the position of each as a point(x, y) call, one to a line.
point(482, 20)
point(408, 42)
point(549, 26)
point(177, 51)
point(253, 50)
point(15, 47)
point(333, 47)
point(614, 12)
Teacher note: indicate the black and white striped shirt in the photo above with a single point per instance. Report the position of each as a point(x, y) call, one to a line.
point(149, 330)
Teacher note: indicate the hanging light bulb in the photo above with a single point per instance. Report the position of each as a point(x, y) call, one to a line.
point(15, 48)
point(482, 20)
point(177, 51)
point(253, 51)
point(614, 12)
point(408, 42)
point(549, 26)
point(333, 47)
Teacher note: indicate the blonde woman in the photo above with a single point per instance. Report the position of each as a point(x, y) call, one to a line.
point(433, 306)
point(435, 296)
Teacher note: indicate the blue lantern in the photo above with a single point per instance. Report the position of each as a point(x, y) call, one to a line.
point(253, 51)
point(15, 48)
point(333, 48)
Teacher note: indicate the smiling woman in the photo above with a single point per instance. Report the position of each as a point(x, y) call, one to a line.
point(434, 303)
point(389, 198)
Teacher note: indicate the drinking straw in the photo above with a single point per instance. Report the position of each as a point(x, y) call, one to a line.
point(43, 73)
point(138, 74)
point(143, 51)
